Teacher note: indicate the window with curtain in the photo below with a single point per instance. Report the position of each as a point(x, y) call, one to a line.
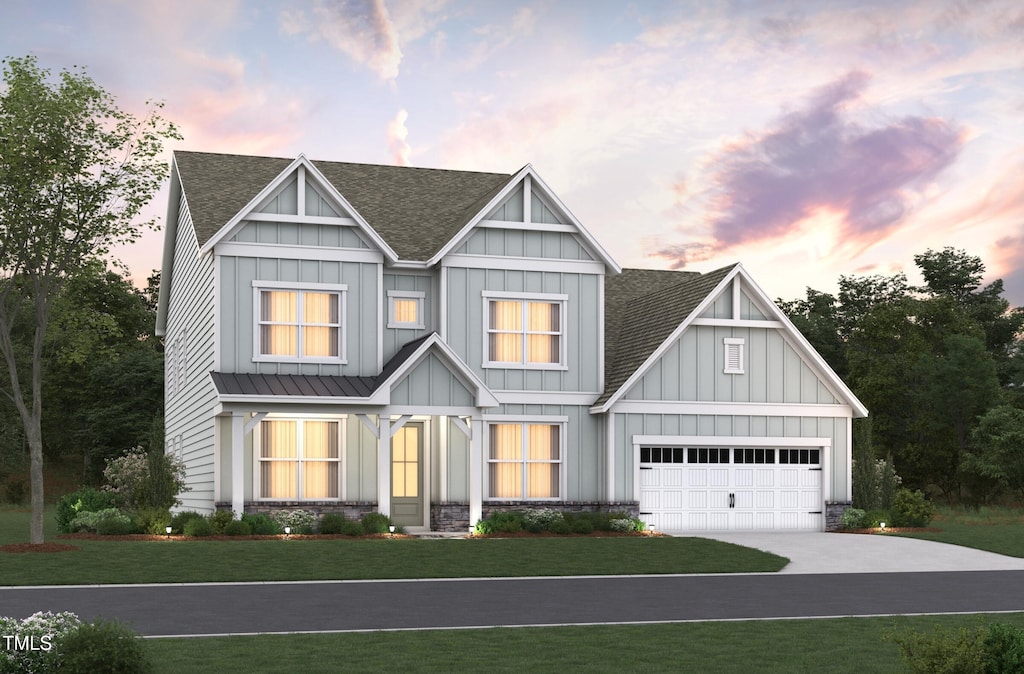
point(524, 461)
point(522, 332)
point(299, 459)
point(405, 309)
point(300, 324)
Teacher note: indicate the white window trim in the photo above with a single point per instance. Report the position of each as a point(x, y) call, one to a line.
point(257, 460)
point(559, 421)
point(340, 289)
point(406, 295)
point(735, 345)
point(560, 299)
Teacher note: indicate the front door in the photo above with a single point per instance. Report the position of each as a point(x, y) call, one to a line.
point(407, 475)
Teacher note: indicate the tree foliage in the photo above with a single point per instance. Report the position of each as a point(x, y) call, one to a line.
point(75, 172)
point(927, 362)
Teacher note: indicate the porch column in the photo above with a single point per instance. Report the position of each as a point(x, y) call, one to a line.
point(384, 465)
point(476, 470)
point(237, 463)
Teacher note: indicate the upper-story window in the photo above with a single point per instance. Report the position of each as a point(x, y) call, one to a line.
point(525, 331)
point(300, 323)
point(405, 309)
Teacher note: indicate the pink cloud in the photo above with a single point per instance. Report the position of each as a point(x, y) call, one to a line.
point(397, 133)
point(816, 160)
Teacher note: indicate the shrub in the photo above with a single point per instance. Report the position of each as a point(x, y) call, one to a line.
point(54, 626)
point(375, 523)
point(331, 523)
point(537, 520)
point(301, 521)
point(115, 523)
point(943, 650)
point(506, 522)
point(103, 646)
point(85, 499)
point(582, 525)
point(875, 484)
point(198, 526)
point(142, 479)
point(626, 524)
point(153, 520)
point(261, 525)
point(911, 509)
point(1004, 649)
point(874, 518)
point(237, 528)
point(179, 520)
point(853, 518)
point(219, 519)
point(561, 527)
point(351, 528)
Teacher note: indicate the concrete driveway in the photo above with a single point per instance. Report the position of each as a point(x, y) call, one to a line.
point(868, 553)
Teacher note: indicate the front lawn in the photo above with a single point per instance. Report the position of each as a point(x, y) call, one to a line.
point(844, 645)
point(994, 529)
point(180, 561)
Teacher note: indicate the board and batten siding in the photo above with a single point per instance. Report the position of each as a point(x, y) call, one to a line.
point(628, 425)
point(188, 413)
point(395, 338)
point(692, 369)
point(238, 321)
point(431, 383)
point(466, 326)
point(524, 243)
point(722, 308)
point(300, 234)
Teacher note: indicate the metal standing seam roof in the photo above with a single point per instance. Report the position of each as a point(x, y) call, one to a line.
point(415, 210)
point(643, 307)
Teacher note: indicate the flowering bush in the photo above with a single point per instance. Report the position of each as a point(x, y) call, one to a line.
point(301, 521)
point(142, 479)
point(853, 518)
point(33, 644)
point(540, 519)
point(626, 524)
point(85, 499)
point(106, 521)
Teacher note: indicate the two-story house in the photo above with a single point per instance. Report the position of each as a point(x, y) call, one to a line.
point(435, 344)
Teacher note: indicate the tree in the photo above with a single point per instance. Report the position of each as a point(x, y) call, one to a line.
point(75, 171)
point(999, 448)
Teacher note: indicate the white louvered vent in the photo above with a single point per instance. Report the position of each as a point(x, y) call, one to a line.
point(733, 355)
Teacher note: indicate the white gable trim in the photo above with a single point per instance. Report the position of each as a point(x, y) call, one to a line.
point(788, 330)
point(530, 181)
point(305, 171)
point(483, 395)
point(170, 240)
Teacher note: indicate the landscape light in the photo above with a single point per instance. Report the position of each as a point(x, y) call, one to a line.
point(168, 530)
point(650, 529)
point(882, 524)
point(392, 530)
point(287, 532)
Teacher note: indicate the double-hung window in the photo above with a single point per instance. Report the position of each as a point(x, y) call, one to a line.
point(525, 331)
point(299, 459)
point(300, 323)
point(525, 461)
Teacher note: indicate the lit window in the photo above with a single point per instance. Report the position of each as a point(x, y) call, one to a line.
point(733, 356)
point(299, 460)
point(405, 309)
point(300, 324)
point(525, 461)
point(524, 332)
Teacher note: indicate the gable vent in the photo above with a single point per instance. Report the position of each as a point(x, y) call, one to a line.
point(733, 355)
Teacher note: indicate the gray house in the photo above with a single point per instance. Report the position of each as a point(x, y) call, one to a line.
point(435, 345)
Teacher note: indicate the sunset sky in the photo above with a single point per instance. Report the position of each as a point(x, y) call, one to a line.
point(804, 139)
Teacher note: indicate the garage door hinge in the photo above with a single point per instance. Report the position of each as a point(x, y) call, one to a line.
point(646, 513)
point(646, 467)
point(814, 469)
point(814, 512)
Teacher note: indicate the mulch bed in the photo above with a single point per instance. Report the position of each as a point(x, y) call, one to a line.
point(38, 547)
point(276, 537)
point(595, 534)
point(888, 530)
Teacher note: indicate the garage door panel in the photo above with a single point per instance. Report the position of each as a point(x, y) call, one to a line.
point(713, 494)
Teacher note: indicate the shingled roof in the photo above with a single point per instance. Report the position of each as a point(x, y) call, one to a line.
point(642, 308)
point(415, 210)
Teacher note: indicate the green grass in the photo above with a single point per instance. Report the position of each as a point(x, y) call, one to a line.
point(994, 529)
point(842, 645)
point(178, 561)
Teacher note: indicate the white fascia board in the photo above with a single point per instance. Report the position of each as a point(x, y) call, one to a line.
point(730, 441)
point(311, 171)
point(709, 408)
point(170, 238)
point(664, 346)
point(528, 171)
point(804, 347)
point(484, 397)
point(596, 247)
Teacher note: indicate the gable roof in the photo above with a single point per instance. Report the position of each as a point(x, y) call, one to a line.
point(643, 307)
point(415, 210)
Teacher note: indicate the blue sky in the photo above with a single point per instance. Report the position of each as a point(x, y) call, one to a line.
point(804, 139)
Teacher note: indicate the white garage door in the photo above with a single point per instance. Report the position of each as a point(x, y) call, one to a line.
point(731, 489)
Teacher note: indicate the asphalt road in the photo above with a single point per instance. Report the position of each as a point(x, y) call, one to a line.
point(373, 605)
